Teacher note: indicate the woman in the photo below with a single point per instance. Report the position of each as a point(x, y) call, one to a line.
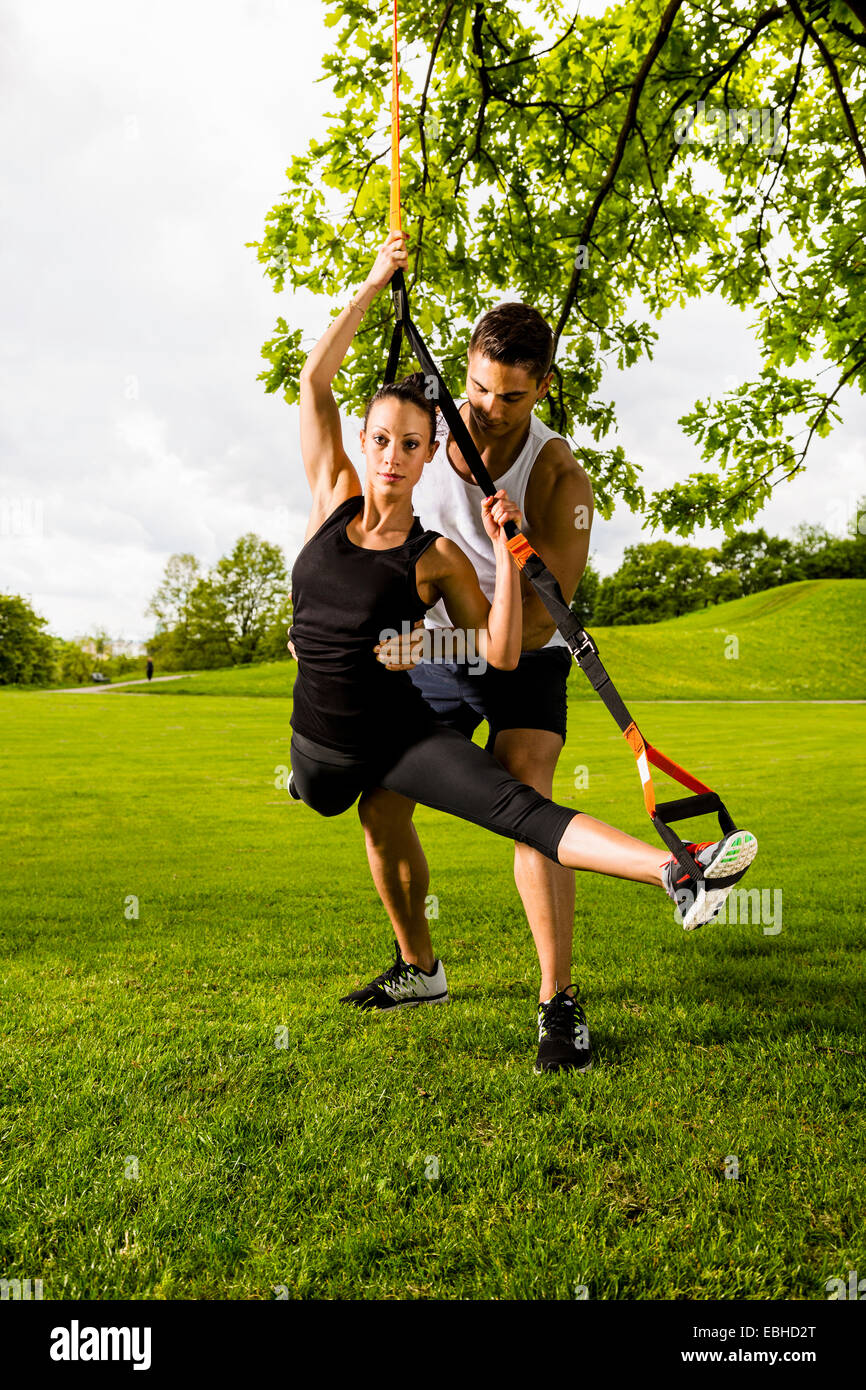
point(368, 567)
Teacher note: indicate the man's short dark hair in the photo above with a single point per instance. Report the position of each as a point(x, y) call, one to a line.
point(516, 335)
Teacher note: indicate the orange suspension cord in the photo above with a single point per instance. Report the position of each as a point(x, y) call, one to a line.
point(395, 225)
point(582, 647)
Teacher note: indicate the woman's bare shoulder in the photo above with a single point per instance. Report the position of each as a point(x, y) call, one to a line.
point(447, 554)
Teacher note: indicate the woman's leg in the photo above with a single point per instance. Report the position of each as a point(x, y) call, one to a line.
point(328, 787)
point(399, 870)
point(448, 772)
point(593, 844)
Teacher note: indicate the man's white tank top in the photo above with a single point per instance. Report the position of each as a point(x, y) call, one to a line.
point(447, 504)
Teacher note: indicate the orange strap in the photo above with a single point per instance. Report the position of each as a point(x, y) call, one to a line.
point(674, 770)
point(395, 225)
point(635, 741)
point(646, 754)
point(520, 548)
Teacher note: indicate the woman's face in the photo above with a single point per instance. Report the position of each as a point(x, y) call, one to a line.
point(396, 445)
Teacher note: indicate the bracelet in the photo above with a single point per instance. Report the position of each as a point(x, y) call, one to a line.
point(353, 305)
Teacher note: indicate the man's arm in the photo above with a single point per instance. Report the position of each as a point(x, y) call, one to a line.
point(558, 517)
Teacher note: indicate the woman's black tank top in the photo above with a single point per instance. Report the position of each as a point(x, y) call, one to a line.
point(344, 598)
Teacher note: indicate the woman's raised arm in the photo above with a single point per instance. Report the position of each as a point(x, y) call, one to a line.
point(330, 472)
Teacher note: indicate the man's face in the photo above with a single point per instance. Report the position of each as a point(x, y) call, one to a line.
point(501, 398)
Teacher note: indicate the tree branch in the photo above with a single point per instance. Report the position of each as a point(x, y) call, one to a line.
point(840, 27)
point(834, 73)
point(858, 8)
point(658, 199)
point(533, 57)
point(607, 182)
point(716, 74)
point(477, 25)
point(860, 362)
point(422, 110)
point(423, 107)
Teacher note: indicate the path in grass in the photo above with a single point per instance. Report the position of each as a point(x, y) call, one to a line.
point(113, 685)
point(187, 1112)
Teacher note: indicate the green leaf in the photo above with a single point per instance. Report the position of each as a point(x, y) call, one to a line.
point(499, 200)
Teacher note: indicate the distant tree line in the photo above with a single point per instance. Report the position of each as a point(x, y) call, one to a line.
point(238, 611)
point(659, 579)
point(31, 656)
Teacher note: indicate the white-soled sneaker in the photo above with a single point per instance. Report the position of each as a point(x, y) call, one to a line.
point(723, 863)
point(401, 986)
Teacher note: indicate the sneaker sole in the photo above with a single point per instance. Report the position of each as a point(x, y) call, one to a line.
point(404, 1004)
point(735, 856)
point(545, 1071)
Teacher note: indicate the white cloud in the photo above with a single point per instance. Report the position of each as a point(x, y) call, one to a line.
point(144, 144)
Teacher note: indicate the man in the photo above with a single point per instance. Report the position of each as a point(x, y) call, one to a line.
point(509, 372)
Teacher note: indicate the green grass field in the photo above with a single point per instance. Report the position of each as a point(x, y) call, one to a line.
point(188, 1113)
point(801, 641)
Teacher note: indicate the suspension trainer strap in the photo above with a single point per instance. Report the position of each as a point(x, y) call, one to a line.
point(394, 208)
point(545, 584)
point(584, 650)
point(582, 646)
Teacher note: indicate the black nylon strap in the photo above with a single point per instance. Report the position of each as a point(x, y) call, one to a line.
point(401, 307)
point(590, 663)
point(702, 804)
point(544, 583)
point(677, 848)
point(393, 354)
point(727, 881)
point(582, 646)
point(398, 295)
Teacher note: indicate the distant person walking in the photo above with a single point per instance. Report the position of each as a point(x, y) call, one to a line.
point(149, 669)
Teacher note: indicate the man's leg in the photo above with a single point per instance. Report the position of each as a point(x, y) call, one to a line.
point(400, 870)
point(546, 889)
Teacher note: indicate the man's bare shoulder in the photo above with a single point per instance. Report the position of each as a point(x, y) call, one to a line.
point(557, 472)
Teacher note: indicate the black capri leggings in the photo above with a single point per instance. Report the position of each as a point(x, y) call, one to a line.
point(442, 769)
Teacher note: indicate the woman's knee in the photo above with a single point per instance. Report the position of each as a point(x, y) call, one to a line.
point(325, 800)
point(327, 806)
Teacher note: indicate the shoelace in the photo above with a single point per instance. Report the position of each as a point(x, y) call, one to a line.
point(694, 850)
point(561, 1015)
point(400, 970)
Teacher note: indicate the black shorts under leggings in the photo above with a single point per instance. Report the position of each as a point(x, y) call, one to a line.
point(441, 769)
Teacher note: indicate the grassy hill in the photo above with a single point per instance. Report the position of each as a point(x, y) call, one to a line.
point(798, 642)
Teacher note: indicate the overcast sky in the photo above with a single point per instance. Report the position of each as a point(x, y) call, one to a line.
point(143, 144)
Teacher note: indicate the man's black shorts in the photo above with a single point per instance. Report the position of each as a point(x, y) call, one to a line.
point(531, 697)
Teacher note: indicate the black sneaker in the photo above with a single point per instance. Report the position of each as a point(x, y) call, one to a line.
point(563, 1035)
point(401, 987)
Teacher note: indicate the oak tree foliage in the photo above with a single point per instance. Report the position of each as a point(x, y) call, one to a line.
point(589, 165)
